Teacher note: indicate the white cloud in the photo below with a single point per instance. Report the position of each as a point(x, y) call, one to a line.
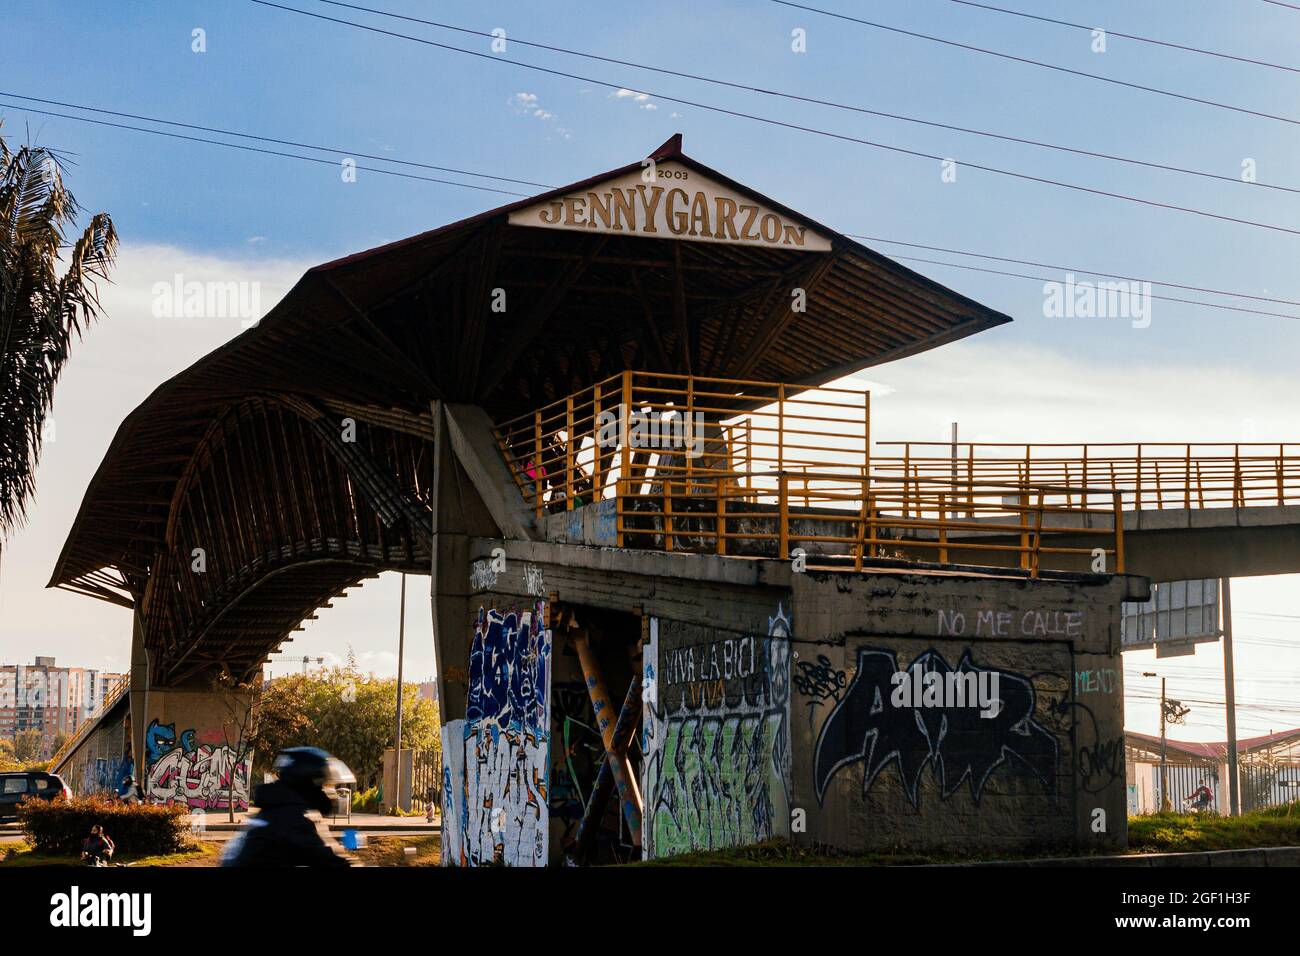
point(120, 360)
point(529, 104)
point(642, 100)
point(1017, 393)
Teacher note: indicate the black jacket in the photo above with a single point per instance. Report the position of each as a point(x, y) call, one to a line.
point(282, 834)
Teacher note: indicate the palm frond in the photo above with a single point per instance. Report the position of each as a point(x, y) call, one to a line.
point(40, 310)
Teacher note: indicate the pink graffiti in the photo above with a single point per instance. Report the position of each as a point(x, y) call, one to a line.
point(200, 779)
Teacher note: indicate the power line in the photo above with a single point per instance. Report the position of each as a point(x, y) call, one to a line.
point(1279, 3)
point(1127, 36)
point(1092, 272)
point(786, 125)
point(1166, 298)
point(730, 84)
point(281, 142)
point(262, 138)
point(1039, 63)
point(256, 149)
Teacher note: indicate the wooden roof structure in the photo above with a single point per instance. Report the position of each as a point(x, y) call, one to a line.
point(379, 335)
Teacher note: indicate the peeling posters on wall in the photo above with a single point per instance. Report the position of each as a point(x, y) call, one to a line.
point(496, 760)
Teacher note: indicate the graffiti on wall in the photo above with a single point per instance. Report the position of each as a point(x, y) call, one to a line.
point(716, 737)
point(821, 682)
point(956, 742)
point(106, 774)
point(606, 521)
point(1098, 759)
point(578, 755)
point(497, 760)
point(193, 769)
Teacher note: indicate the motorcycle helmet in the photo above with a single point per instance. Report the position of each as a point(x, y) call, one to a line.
point(313, 774)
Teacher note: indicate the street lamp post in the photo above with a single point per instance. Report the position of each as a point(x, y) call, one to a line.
point(401, 649)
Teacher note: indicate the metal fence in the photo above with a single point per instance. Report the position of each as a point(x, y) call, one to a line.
point(426, 780)
point(1263, 785)
point(1149, 475)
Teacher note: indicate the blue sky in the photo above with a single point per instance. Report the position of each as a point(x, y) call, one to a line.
point(271, 72)
point(1195, 373)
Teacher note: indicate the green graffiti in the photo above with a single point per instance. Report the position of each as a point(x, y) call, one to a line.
point(717, 783)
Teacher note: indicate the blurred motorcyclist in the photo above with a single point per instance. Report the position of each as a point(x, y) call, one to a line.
point(130, 792)
point(283, 833)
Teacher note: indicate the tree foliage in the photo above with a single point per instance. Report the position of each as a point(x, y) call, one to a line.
point(25, 747)
point(350, 714)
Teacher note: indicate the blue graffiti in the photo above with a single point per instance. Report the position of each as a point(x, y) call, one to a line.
point(607, 521)
point(109, 774)
point(508, 671)
point(159, 740)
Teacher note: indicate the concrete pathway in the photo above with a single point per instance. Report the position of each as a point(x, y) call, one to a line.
point(219, 820)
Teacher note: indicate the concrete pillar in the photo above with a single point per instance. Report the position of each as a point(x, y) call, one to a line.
point(138, 693)
point(449, 576)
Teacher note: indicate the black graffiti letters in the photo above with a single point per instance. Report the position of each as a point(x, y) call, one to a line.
point(955, 741)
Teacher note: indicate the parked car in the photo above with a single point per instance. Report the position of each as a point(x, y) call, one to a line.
point(15, 787)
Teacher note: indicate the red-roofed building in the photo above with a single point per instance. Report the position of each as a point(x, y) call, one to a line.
point(1270, 770)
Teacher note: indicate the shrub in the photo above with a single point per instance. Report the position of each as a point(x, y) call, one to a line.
point(58, 827)
point(365, 801)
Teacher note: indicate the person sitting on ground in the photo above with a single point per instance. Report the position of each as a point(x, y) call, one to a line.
point(97, 849)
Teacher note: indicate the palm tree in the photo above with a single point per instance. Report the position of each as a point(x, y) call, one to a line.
point(39, 309)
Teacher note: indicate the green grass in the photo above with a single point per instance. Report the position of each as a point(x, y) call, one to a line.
point(779, 852)
point(21, 855)
point(1161, 833)
point(1183, 833)
point(391, 851)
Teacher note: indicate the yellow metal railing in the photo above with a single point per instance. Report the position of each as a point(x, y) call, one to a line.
point(842, 520)
point(1147, 475)
point(87, 725)
point(762, 468)
point(638, 425)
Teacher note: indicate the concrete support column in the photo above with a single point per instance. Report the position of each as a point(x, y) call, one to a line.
point(138, 694)
point(449, 577)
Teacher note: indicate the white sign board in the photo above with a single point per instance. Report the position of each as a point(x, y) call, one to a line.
point(1179, 615)
point(669, 200)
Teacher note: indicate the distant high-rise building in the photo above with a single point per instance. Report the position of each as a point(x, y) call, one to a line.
point(54, 700)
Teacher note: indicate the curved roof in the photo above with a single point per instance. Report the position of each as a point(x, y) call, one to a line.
point(392, 328)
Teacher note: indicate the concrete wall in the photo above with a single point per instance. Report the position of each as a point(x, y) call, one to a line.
point(715, 736)
point(771, 705)
point(102, 761)
point(875, 769)
point(497, 757)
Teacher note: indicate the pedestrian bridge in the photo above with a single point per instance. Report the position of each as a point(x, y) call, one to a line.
point(763, 469)
point(1189, 510)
